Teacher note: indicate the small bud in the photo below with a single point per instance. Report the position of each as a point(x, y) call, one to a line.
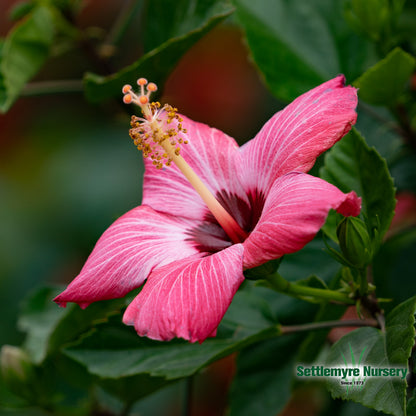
point(355, 242)
point(17, 371)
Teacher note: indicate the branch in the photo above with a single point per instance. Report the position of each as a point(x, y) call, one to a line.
point(327, 324)
point(279, 284)
point(52, 87)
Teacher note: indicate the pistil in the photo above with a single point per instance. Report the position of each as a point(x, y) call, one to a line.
point(151, 132)
point(227, 222)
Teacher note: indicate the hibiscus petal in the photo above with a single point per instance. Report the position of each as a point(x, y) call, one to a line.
point(294, 137)
point(294, 211)
point(187, 298)
point(126, 253)
point(212, 155)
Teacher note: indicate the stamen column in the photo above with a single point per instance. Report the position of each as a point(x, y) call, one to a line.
point(152, 128)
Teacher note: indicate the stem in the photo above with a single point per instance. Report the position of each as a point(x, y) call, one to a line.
point(327, 324)
point(278, 283)
point(363, 283)
point(53, 87)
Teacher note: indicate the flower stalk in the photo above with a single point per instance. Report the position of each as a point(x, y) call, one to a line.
point(362, 281)
point(281, 285)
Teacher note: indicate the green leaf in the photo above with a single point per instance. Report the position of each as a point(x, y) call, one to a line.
point(131, 389)
point(384, 82)
point(48, 326)
point(382, 135)
point(397, 8)
point(354, 409)
point(369, 17)
point(411, 406)
point(311, 260)
point(21, 9)
point(396, 258)
point(115, 351)
point(352, 165)
point(56, 384)
point(173, 19)
point(262, 383)
point(299, 44)
point(24, 52)
point(403, 170)
point(158, 63)
point(379, 349)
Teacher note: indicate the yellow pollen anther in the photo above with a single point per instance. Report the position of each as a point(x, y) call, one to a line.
point(142, 81)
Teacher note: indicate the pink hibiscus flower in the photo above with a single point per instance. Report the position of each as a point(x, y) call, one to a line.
point(261, 202)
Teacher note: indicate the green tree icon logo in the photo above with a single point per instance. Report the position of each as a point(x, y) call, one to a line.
point(360, 381)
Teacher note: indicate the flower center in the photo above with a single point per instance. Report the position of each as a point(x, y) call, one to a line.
point(159, 139)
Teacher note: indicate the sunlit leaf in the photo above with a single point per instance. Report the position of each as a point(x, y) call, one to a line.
point(299, 44)
point(186, 26)
point(24, 52)
point(385, 81)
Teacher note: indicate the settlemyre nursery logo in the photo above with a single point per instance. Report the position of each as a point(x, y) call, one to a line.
point(351, 375)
